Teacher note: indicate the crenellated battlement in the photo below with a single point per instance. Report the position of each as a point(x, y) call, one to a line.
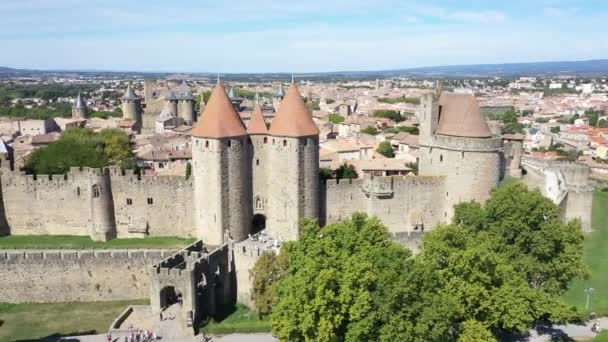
point(8, 256)
point(466, 144)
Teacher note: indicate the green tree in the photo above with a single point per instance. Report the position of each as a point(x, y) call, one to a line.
point(370, 130)
point(386, 149)
point(555, 129)
point(346, 171)
point(82, 147)
point(475, 331)
point(388, 114)
point(335, 118)
point(339, 277)
point(326, 173)
point(267, 271)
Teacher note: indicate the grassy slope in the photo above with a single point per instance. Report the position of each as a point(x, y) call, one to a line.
point(84, 242)
point(242, 320)
point(596, 257)
point(34, 321)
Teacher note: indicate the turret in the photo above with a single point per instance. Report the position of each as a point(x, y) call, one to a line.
point(185, 103)
point(170, 100)
point(102, 207)
point(456, 143)
point(79, 109)
point(294, 175)
point(131, 106)
point(221, 171)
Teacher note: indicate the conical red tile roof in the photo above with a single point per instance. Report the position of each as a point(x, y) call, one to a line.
point(219, 119)
point(293, 118)
point(257, 125)
point(461, 117)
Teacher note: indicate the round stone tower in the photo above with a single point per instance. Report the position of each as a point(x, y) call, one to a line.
point(456, 143)
point(185, 103)
point(131, 106)
point(102, 207)
point(170, 100)
point(293, 177)
point(221, 171)
point(79, 109)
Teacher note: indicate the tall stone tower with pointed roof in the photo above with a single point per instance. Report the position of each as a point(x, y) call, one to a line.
point(248, 179)
point(456, 143)
point(79, 109)
point(294, 175)
point(185, 103)
point(131, 106)
point(221, 170)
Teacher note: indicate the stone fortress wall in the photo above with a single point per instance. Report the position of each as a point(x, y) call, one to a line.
point(566, 184)
point(73, 276)
point(101, 203)
point(405, 204)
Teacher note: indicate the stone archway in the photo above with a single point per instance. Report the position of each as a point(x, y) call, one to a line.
point(168, 296)
point(258, 223)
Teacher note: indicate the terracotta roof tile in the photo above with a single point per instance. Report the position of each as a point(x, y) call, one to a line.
point(257, 125)
point(219, 119)
point(293, 118)
point(460, 117)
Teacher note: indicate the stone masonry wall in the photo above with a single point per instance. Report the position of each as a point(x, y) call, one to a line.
point(57, 204)
point(401, 202)
point(153, 205)
point(73, 276)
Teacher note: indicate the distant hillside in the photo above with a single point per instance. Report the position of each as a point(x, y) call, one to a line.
point(585, 68)
point(589, 68)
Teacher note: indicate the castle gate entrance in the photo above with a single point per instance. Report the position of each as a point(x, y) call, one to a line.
point(168, 296)
point(259, 223)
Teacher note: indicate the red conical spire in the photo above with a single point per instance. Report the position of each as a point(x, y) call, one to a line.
point(219, 119)
point(257, 125)
point(293, 118)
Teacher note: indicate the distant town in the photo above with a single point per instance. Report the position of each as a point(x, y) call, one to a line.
point(557, 117)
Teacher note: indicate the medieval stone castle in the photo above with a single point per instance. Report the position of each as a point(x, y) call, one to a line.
point(246, 179)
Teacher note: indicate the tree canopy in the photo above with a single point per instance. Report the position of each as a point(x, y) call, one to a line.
point(498, 268)
point(82, 147)
point(388, 114)
point(386, 149)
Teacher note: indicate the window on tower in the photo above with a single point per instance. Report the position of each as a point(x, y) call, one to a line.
point(95, 191)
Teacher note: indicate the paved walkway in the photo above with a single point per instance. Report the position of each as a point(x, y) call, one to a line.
point(225, 338)
point(574, 331)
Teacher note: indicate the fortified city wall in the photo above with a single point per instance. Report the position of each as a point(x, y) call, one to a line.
point(159, 205)
point(566, 184)
point(127, 205)
point(73, 276)
point(405, 204)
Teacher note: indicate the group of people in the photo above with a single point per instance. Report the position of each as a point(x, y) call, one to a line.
point(137, 335)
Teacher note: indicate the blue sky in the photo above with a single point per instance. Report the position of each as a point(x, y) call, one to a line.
point(296, 36)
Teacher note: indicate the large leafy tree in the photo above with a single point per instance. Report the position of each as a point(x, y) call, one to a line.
point(82, 147)
point(498, 268)
point(340, 280)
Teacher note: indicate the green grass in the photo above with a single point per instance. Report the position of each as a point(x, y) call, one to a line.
point(34, 321)
point(601, 337)
point(595, 250)
point(508, 180)
point(85, 242)
point(242, 320)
